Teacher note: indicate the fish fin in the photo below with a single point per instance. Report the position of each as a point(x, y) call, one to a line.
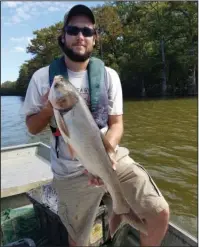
point(109, 149)
point(64, 131)
point(60, 122)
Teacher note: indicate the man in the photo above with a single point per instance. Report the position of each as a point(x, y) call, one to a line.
point(78, 201)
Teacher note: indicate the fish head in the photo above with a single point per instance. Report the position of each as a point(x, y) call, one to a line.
point(65, 95)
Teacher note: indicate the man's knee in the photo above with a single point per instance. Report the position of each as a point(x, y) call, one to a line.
point(164, 215)
point(160, 220)
point(157, 228)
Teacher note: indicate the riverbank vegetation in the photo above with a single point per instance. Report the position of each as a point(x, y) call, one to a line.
point(152, 45)
point(8, 88)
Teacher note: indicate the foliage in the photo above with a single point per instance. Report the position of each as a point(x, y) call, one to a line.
point(9, 88)
point(152, 45)
point(8, 84)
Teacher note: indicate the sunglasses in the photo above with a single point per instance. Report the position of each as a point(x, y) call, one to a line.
point(74, 31)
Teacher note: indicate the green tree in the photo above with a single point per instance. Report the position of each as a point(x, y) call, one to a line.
point(8, 84)
point(152, 45)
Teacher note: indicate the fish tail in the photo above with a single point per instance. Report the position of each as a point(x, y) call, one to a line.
point(120, 206)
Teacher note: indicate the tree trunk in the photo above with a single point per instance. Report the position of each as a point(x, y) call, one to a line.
point(101, 49)
point(194, 80)
point(143, 89)
point(164, 82)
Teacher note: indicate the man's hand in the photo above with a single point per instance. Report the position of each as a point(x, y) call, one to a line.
point(47, 105)
point(93, 180)
point(48, 109)
point(37, 122)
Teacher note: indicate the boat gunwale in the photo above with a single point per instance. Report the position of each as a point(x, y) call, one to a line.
point(189, 238)
point(22, 146)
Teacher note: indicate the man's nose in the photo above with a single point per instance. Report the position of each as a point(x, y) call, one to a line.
point(80, 35)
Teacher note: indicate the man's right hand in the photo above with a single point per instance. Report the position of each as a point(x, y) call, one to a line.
point(48, 109)
point(37, 122)
point(47, 105)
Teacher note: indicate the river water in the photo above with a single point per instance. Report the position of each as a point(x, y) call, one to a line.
point(160, 134)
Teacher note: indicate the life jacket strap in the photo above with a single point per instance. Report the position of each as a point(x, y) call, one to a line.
point(56, 133)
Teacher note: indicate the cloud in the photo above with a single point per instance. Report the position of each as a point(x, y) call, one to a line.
point(52, 9)
point(23, 11)
point(11, 4)
point(21, 39)
point(19, 49)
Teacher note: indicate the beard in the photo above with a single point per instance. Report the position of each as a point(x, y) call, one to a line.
point(74, 56)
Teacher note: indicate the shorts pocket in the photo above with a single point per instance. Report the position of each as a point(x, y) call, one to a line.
point(150, 178)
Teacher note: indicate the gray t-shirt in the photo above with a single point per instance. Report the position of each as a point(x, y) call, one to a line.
point(38, 87)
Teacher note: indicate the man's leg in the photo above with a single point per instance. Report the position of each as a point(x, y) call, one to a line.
point(78, 204)
point(114, 220)
point(157, 228)
point(144, 197)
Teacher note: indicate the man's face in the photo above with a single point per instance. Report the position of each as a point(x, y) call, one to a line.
point(78, 47)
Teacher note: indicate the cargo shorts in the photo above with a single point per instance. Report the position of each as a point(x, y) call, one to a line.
point(78, 202)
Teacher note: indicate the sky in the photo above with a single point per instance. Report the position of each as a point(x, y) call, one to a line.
point(18, 21)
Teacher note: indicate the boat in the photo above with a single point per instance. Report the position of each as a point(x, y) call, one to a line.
point(26, 182)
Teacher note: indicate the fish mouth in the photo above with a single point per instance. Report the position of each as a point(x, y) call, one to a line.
point(65, 104)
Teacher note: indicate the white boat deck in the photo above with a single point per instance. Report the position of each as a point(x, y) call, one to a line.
point(24, 168)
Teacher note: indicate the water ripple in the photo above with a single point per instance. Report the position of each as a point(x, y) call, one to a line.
point(162, 136)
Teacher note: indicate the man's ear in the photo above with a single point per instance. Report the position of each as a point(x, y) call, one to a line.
point(62, 39)
point(95, 40)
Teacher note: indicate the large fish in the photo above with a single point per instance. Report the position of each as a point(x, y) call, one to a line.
point(88, 144)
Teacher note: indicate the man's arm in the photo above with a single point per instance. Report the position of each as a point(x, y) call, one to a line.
point(115, 130)
point(37, 122)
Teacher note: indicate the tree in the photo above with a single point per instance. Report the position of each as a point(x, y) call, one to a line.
point(8, 84)
point(152, 45)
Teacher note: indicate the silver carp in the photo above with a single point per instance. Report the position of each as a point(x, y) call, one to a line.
point(88, 144)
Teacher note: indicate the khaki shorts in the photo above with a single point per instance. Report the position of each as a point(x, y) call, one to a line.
point(78, 202)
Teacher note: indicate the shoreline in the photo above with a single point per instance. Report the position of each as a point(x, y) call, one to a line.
point(138, 98)
point(4, 92)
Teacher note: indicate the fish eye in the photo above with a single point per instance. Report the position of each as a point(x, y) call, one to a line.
point(56, 85)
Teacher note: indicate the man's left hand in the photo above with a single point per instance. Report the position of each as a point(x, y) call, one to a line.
point(93, 180)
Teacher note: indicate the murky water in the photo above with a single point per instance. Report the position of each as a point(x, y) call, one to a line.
point(161, 135)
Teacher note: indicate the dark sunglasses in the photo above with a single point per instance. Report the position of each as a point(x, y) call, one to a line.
point(73, 30)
